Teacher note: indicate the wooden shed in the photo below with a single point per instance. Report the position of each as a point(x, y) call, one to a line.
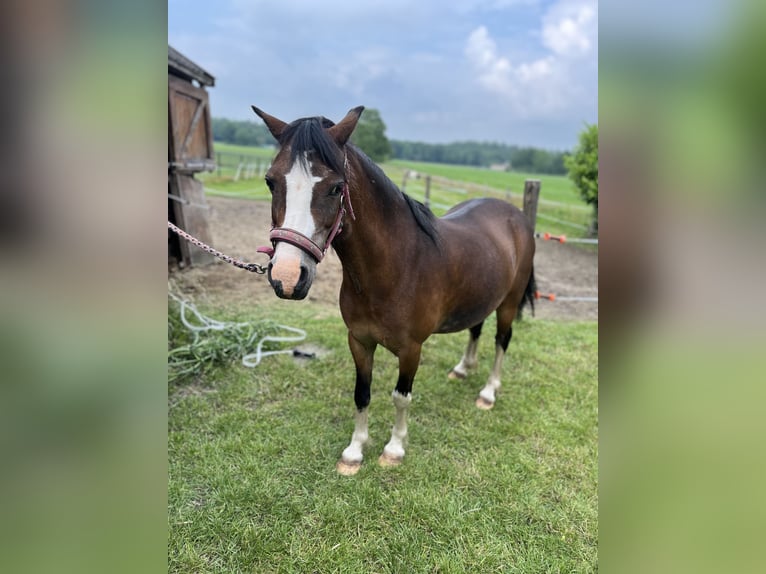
point(190, 150)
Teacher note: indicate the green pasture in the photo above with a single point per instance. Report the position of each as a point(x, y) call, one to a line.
point(252, 452)
point(451, 184)
point(262, 152)
point(557, 187)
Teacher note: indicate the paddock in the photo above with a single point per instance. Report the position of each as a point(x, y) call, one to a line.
point(251, 450)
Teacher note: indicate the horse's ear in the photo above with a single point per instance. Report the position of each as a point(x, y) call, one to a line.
point(341, 131)
point(276, 127)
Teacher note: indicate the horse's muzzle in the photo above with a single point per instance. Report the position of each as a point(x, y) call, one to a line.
point(291, 281)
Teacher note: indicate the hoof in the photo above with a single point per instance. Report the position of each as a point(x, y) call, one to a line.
point(453, 374)
point(484, 404)
point(348, 468)
point(388, 460)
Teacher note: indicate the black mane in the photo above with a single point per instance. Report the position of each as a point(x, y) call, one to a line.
point(307, 136)
point(424, 217)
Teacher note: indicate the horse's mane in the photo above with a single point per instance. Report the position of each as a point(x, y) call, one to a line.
point(308, 135)
point(424, 217)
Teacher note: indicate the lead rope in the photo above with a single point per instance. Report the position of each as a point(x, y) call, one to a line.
point(204, 323)
point(254, 267)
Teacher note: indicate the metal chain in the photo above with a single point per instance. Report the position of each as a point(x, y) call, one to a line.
point(254, 267)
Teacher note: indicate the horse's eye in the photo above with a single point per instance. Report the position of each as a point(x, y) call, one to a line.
point(270, 184)
point(335, 190)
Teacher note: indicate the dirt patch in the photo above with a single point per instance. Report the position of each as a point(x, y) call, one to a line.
point(239, 226)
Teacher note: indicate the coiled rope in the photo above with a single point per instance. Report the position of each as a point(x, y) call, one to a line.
point(204, 323)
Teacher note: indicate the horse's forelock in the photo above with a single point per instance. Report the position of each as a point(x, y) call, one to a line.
point(308, 136)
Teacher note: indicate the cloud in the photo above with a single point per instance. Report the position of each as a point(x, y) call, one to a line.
point(433, 69)
point(526, 87)
point(569, 28)
point(467, 6)
point(552, 83)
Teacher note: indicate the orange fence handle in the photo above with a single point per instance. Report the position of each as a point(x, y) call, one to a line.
point(547, 236)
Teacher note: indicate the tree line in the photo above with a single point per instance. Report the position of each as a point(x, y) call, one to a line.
point(370, 136)
point(241, 132)
point(483, 154)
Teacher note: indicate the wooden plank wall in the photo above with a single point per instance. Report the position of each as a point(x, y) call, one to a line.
point(191, 215)
point(189, 115)
point(190, 140)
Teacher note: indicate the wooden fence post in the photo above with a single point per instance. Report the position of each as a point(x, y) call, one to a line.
point(218, 163)
point(427, 201)
point(531, 195)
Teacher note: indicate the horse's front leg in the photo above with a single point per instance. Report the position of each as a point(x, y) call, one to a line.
point(351, 459)
point(409, 359)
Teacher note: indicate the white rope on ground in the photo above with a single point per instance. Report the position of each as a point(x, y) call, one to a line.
point(208, 324)
point(259, 353)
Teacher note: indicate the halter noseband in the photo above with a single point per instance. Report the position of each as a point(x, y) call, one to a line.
point(304, 242)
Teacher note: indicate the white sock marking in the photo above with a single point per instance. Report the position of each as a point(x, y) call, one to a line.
point(468, 361)
point(488, 392)
point(395, 447)
point(353, 452)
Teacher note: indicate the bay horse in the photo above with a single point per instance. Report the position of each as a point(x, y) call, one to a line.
point(406, 273)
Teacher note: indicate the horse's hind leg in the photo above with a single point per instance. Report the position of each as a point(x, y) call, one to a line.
point(505, 315)
point(351, 459)
point(468, 361)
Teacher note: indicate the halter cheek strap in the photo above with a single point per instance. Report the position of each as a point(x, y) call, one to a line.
point(337, 227)
point(305, 243)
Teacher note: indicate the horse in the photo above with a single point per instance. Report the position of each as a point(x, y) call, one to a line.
point(406, 273)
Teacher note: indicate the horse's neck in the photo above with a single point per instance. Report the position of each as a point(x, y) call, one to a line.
point(372, 240)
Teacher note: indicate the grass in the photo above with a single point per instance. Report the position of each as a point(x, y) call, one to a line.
point(261, 152)
point(221, 182)
point(252, 484)
point(557, 187)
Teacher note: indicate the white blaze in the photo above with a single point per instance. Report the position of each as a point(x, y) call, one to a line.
point(300, 188)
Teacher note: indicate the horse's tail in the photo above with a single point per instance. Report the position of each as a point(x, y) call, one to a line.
point(529, 294)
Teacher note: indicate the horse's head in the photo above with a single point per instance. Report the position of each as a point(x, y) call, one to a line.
point(308, 183)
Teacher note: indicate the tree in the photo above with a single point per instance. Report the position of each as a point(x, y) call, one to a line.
point(241, 132)
point(583, 168)
point(370, 135)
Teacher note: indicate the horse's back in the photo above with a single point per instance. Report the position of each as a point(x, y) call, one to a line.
point(489, 217)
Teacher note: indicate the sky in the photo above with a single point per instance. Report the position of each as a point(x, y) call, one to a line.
point(521, 72)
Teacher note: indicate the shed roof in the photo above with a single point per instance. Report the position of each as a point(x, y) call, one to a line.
point(181, 66)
